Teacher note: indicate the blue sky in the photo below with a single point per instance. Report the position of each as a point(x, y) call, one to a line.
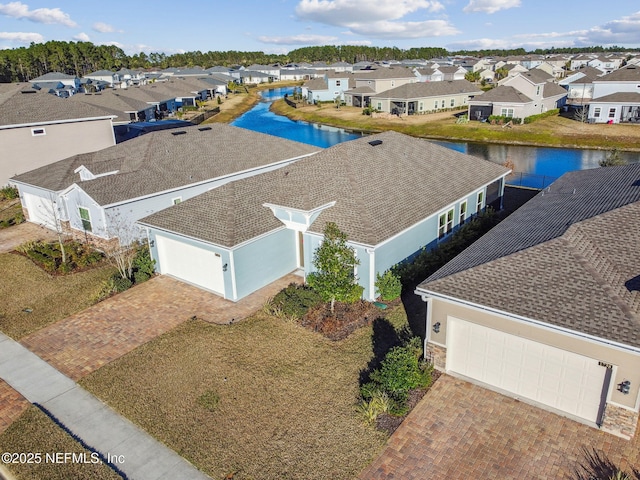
point(278, 26)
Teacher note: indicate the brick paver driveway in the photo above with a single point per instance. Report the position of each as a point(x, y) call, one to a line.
point(10, 238)
point(462, 431)
point(84, 342)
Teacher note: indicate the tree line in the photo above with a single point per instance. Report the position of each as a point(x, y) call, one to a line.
point(80, 58)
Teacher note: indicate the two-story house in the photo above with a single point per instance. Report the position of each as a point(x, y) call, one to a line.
point(371, 81)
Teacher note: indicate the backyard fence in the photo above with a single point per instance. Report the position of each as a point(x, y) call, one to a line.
point(197, 120)
point(530, 180)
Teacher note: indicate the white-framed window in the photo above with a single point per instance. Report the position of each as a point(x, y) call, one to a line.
point(445, 223)
point(85, 218)
point(463, 212)
point(393, 83)
point(442, 103)
point(596, 112)
point(453, 102)
point(37, 132)
point(379, 106)
point(480, 202)
point(436, 104)
point(612, 112)
point(538, 90)
point(421, 106)
point(506, 112)
point(337, 83)
point(176, 201)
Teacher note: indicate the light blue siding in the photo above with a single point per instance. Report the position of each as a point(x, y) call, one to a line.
point(263, 261)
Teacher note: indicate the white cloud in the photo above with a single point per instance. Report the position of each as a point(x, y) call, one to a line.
point(625, 31)
point(490, 6)
point(82, 37)
point(39, 15)
point(299, 40)
point(346, 12)
point(379, 20)
point(103, 27)
point(22, 37)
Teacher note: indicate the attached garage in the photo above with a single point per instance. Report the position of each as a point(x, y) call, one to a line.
point(564, 381)
point(192, 264)
point(41, 211)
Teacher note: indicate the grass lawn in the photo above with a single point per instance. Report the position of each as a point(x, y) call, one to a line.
point(34, 432)
point(260, 399)
point(50, 298)
point(555, 131)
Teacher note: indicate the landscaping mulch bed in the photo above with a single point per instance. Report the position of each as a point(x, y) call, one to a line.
point(345, 319)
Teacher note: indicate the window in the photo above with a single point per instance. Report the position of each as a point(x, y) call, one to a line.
point(506, 112)
point(421, 106)
point(453, 102)
point(596, 112)
point(176, 200)
point(480, 202)
point(85, 218)
point(379, 106)
point(463, 212)
point(538, 91)
point(36, 132)
point(445, 224)
point(612, 112)
point(393, 84)
point(436, 104)
point(442, 103)
point(337, 83)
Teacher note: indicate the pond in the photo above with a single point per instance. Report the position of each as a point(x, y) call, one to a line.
point(534, 166)
point(260, 119)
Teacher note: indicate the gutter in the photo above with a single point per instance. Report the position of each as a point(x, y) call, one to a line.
point(426, 295)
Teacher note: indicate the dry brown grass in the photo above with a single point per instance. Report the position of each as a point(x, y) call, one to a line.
point(50, 298)
point(34, 432)
point(261, 399)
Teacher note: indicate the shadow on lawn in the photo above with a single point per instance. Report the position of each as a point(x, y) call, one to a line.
point(383, 339)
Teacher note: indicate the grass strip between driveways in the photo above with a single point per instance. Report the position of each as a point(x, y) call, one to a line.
point(35, 433)
point(260, 399)
point(31, 299)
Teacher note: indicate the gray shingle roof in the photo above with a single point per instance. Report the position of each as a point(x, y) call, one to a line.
point(574, 197)
point(629, 73)
point(502, 93)
point(620, 97)
point(552, 90)
point(161, 161)
point(430, 89)
point(568, 257)
point(586, 280)
point(379, 191)
point(52, 76)
point(384, 73)
point(17, 108)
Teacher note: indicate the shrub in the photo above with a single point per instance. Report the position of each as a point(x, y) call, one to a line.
point(388, 286)
point(377, 404)
point(49, 256)
point(8, 193)
point(400, 372)
point(294, 301)
point(143, 264)
point(550, 113)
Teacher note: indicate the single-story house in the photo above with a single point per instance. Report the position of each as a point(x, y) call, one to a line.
point(99, 196)
point(390, 193)
point(38, 129)
point(520, 96)
point(415, 98)
point(546, 306)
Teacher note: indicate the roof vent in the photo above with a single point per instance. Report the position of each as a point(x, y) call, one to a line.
point(204, 129)
point(28, 91)
point(180, 132)
point(375, 143)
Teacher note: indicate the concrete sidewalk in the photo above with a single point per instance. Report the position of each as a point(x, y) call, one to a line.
point(94, 423)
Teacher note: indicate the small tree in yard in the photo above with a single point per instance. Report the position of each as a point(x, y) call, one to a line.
point(335, 261)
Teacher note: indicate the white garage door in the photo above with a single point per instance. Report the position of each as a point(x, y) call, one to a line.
point(192, 264)
point(41, 211)
point(563, 380)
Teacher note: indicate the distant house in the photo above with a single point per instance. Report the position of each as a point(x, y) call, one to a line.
point(38, 129)
point(111, 78)
point(127, 78)
point(66, 80)
point(100, 195)
point(606, 64)
point(520, 96)
point(391, 194)
point(616, 97)
point(328, 87)
point(546, 306)
point(453, 72)
point(579, 85)
point(416, 98)
point(124, 108)
point(372, 81)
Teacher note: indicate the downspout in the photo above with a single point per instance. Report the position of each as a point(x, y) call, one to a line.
point(372, 272)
